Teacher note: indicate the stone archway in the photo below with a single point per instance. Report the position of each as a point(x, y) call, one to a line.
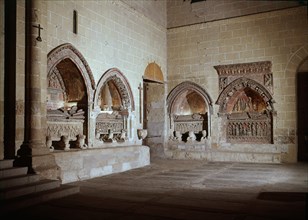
point(69, 95)
point(152, 108)
point(113, 108)
point(189, 109)
point(297, 67)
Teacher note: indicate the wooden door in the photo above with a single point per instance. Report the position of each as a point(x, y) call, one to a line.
point(302, 115)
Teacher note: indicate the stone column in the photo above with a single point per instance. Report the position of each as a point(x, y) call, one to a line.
point(33, 151)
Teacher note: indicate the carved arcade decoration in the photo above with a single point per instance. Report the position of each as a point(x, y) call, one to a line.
point(245, 102)
point(254, 128)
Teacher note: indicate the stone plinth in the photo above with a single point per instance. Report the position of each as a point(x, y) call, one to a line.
point(247, 153)
point(79, 165)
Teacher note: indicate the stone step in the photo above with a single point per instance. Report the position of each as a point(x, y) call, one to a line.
point(6, 164)
point(38, 186)
point(18, 180)
point(13, 171)
point(10, 205)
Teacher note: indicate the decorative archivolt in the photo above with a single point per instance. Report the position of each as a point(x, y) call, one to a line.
point(188, 86)
point(68, 51)
point(55, 81)
point(122, 85)
point(240, 84)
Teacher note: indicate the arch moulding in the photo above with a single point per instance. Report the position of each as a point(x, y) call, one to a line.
point(239, 84)
point(175, 92)
point(122, 84)
point(68, 51)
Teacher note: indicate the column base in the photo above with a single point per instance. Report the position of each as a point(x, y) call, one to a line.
point(39, 160)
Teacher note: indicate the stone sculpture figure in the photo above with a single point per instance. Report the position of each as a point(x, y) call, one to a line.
point(204, 135)
point(177, 136)
point(49, 143)
point(191, 136)
point(81, 142)
point(110, 136)
point(123, 137)
point(65, 142)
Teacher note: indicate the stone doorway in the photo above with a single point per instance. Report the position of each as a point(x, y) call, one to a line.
point(302, 116)
point(154, 109)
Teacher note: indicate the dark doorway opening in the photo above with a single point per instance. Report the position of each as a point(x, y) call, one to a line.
point(10, 79)
point(302, 116)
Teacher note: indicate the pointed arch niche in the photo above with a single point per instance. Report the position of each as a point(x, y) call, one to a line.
point(113, 106)
point(189, 109)
point(246, 102)
point(70, 87)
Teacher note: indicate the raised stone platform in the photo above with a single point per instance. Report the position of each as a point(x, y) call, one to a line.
point(79, 165)
point(254, 153)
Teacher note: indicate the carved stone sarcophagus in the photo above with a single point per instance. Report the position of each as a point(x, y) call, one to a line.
point(109, 123)
point(65, 126)
point(186, 123)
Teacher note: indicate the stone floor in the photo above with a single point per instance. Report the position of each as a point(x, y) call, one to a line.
point(179, 189)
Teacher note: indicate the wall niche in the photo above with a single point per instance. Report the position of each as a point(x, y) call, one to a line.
point(189, 109)
point(245, 102)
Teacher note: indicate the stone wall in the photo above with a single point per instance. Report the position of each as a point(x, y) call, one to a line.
point(91, 163)
point(279, 36)
point(112, 34)
point(182, 13)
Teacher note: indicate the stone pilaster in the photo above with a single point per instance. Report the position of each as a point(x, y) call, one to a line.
point(33, 151)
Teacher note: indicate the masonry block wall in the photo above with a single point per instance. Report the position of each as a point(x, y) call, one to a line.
point(112, 34)
point(194, 50)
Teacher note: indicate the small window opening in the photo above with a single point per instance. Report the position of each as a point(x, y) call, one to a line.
point(75, 22)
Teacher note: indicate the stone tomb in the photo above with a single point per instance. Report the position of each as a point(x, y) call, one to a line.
point(188, 107)
point(90, 128)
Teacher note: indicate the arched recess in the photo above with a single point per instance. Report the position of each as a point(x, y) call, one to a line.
point(122, 85)
point(297, 66)
point(228, 96)
point(189, 108)
point(69, 95)
point(247, 110)
point(152, 93)
point(113, 104)
point(153, 73)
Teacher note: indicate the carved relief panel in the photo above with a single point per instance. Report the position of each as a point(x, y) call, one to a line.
point(246, 102)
